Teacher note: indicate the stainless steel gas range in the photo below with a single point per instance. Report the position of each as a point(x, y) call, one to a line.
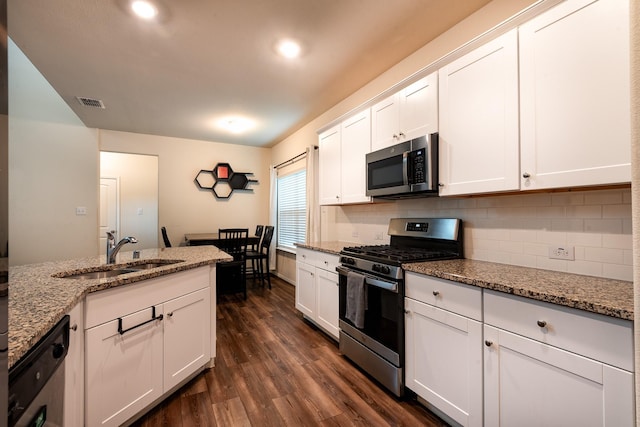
point(371, 283)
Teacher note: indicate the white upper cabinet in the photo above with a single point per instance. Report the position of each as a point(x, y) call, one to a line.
point(574, 95)
point(478, 104)
point(329, 166)
point(342, 163)
point(356, 143)
point(407, 114)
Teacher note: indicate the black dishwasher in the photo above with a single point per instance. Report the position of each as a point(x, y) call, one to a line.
point(36, 381)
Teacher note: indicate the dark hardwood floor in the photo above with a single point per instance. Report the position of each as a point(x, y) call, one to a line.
point(273, 368)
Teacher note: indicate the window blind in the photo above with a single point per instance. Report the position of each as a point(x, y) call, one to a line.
point(292, 210)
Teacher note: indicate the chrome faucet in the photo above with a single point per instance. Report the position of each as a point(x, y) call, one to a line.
point(113, 248)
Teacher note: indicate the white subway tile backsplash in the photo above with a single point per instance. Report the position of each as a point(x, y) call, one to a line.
point(515, 229)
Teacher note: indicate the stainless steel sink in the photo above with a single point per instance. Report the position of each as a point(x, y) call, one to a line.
point(145, 265)
point(99, 274)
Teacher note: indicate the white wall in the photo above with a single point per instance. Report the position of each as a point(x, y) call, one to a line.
point(53, 168)
point(183, 208)
point(138, 196)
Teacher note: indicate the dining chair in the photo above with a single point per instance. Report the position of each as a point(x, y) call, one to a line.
point(232, 275)
point(253, 251)
point(262, 254)
point(165, 237)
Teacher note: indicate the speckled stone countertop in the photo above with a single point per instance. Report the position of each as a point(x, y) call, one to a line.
point(330, 247)
point(37, 300)
point(596, 294)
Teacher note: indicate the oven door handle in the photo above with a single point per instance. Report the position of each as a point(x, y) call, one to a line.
point(371, 280)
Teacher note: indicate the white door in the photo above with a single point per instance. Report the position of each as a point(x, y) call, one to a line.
point(327, 302)
point(419, 108)
point(108, 218)
point(356, 143)
point(329, 166)
point(306, 289)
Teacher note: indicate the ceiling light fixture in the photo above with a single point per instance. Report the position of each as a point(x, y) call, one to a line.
point(236, 124)
point(144, 9)
point(289, 48)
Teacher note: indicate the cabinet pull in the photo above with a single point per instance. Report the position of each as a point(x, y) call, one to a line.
point(542, 323)
point(170, 314)
point(526, 175)
point(488, 343)
point(436, 293)
point(153, 317)
point(74, 327)
point(402, 135)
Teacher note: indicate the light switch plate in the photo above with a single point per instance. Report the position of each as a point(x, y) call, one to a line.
point(81, 210)
point(562, 252)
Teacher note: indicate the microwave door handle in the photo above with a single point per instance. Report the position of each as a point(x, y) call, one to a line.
point(405, 168)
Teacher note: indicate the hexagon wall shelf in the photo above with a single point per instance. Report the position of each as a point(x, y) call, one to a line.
point(222, 180)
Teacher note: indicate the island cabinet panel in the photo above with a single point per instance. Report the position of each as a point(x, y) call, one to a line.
point(123, 371)
point(74, 370)
point(478, 102)
point(575, 96)
point(186, 336)
point(143, 341)
point(443, 356)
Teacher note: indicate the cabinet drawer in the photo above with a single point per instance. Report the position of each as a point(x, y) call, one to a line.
point(451, 296)
point(327, 261)
point(599, 337)
point(306, 255)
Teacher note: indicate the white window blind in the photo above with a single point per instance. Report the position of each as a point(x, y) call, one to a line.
point(292, 209)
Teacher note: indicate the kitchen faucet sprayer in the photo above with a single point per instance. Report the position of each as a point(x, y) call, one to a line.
point(113, 248)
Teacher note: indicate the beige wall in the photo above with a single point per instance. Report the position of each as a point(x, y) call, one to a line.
point(137, 177)
point(183, 208)
point(53, 168)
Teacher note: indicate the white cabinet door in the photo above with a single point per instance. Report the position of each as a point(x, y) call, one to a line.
point(327, 302)
point(384, 122)
point(74, 370)
point(187, 332)
point(356, 143)
point(529, 383)
point(407, 114)
point(478, 138)
point(123, 371)
point(306, 289)
point(444, 360)
point(329, 166)
point(574, 95)
point(419, 108)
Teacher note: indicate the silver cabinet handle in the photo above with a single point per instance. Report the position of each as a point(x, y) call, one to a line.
point(488, 343)
point(542, 323)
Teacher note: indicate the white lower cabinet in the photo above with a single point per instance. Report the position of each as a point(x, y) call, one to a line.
point(142, 341)
point(443, 358)
point(317, 288)
point(74, 370)
point(528, 382)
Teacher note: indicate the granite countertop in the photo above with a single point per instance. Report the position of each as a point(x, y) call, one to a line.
point(37, 300)
point(595, 294)
point(330, 247)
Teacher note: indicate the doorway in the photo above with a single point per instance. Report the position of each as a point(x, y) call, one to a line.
point(130, 201)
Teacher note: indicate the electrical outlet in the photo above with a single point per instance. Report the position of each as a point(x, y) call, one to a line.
point(81, 210)
point(562, 252)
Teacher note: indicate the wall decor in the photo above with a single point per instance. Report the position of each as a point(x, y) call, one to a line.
point(222, 180)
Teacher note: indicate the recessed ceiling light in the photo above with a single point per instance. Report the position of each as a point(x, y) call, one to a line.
point(289, 48)
point(236, 124)
point(144, 9)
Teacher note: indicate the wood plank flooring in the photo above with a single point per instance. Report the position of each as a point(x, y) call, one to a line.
point(273, 368)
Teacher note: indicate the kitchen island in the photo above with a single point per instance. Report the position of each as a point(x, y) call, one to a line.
point(37, 300)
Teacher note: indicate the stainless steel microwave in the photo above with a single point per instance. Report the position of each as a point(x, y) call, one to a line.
point(408, 169)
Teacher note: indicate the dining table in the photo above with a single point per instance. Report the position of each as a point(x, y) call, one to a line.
point(201, 239)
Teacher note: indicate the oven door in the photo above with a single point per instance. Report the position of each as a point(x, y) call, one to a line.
point(383, 330)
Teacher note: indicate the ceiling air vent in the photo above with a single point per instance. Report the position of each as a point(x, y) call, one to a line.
point(90, 102)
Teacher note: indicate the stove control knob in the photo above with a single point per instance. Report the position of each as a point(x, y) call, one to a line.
point(385, 270)
point(376, 268)
point(349, 261)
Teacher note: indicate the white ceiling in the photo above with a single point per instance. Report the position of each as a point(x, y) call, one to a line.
point(205, 59)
